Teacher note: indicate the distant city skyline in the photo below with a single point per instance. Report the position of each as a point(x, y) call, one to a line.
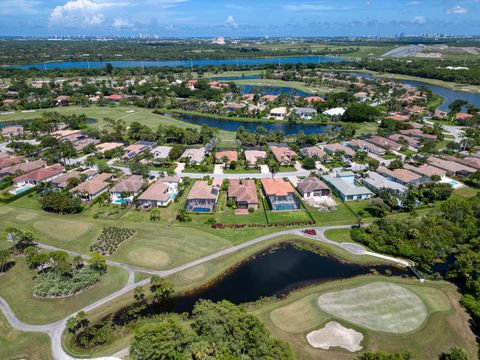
point(187, 18)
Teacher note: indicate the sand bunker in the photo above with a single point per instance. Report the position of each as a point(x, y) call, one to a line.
point(333, 334)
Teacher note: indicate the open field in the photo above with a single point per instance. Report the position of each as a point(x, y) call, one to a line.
point(22, 345)
point(290, 319)
point(16, 288)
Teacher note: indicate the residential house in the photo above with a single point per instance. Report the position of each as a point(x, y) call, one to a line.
point(126, 189)
point(313, 151)
point(280, 194)
point(90, 189)
point(418, 133)
point(62, 100)
point(403, 176)
point(312, 187)
point(305, 113)
point(194, 155)
point(462, 116)
point(283, 154)
point(425, 170)
point(279, 113)
point(65, 133)
point(159, 194)
point(334, 112)
point(335, 148)
point(313, 99)
point(161, 152)
point(400, 138)
point(253, 157)
point(22, 168)
point(228, 155)
point(202, 197)
point(62, 181)
point(451, 167)
point(107, 146)
point(243, 193)
point(346, 187)
point(11, 131)
point(7, 160)
point(136, 149)
point(384, 143)
point(35, 177)
point(362, 145)
point(377, 183)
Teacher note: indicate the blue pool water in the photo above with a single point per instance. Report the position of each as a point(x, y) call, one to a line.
point(120, 201)
point(199, 209)
point(453, 183)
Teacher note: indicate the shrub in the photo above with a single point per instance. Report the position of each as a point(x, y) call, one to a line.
point(110, 238)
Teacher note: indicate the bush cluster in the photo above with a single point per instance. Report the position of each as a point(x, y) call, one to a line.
point(111, 237)
point(280, 224)
point(52, 284)
point(312, 232)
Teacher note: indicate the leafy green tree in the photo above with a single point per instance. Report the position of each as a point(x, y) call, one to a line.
point(4, 259)
point(308, 163)
point(164, 339)
point(155, 214)
point(61, 202)
point(360, 112)
point(160, 288)
point(97, 262)
point(456, 353)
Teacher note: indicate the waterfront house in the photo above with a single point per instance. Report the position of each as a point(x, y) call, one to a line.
point(228, 155)
point(305, 113)
point(279, 113)
point(90, 189)
point(312, 187)
point(202, 197)
point(243, 193)
point(280, 194)
point(282, 153)
point(159, 194)
point(346, 187)
point(377, 183)
point(126, 189)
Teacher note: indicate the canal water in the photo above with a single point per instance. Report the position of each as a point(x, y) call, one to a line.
point(233, 125)
point(448, 95)
point(182, 63)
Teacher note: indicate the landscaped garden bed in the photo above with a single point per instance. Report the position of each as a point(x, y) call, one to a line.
point(110, 239)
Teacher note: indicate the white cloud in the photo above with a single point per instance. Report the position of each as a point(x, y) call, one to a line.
point(81, 12)
point(230, 22)
point(419, 19)
point(121, 23)
point(457, 10)
point(315, 6)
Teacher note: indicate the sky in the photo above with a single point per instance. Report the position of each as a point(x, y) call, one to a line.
point(238, 18)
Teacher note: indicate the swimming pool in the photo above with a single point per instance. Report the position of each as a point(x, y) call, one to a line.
point(19, 190)
point(453, 183)
point(121, 201)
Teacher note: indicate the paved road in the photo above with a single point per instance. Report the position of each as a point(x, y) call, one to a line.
point(301, 173)
point(55, 329)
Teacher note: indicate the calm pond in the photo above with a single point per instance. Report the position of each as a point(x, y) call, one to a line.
point(275, 272)
point(233, 125)
point(183, 63)
point(448, 95)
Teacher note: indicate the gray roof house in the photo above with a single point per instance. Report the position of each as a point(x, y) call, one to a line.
point(377, 183)
point(344, 184)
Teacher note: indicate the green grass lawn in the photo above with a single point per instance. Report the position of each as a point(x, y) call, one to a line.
point(242, 170)
point(206, 273)
point(290, 319)
point(15, 344)
point(144, 116)
point(339, 235)
point(16, 288)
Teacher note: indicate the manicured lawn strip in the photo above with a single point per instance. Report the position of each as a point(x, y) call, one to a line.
point(16, 289)
point(29, 201)
point(287, 216)
point(442, 331)
point(339, 235)
point(206, 273)
point(242, 170)
point(16, 344)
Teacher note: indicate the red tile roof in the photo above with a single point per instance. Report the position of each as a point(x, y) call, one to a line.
point(276, 187)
